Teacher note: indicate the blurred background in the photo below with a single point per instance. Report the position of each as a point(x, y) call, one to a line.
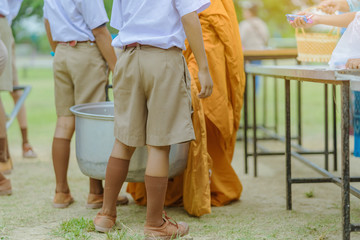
point(31, 39)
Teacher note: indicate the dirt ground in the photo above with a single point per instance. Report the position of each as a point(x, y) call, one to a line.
point(259, 214)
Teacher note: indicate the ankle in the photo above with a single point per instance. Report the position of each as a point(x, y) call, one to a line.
point(108, 211)
point(24, 135)
point(62, 189)
point(96, 192)
point(158, 223)
point(96, 186)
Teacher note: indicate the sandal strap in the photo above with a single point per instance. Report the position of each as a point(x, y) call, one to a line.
point(170, 220)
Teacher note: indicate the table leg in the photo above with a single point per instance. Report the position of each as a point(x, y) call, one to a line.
point(345, 155)
point(299, 113)
point(288, 145)
point(265, 103)
point(276, 110)
point(334, 127)
point(326, 151)
point(246, 125)
point(254, 127)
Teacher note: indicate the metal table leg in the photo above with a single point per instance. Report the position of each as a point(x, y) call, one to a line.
point(107, 98)
point(299, 113)
point(246, 125)
point(254, 127)
point(276, 110)
point(326, 147)
point(265, 103)
point(334, 127)
point(345, 122)
point(288, 145)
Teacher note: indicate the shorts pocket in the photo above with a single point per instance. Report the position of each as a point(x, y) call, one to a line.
point(187, 77)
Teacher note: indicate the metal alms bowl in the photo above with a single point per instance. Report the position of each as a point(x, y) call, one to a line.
point(95, 139)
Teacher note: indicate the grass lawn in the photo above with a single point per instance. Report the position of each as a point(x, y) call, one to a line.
point(260, 213)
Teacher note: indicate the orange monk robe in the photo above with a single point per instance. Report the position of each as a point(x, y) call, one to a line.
point(222, 116)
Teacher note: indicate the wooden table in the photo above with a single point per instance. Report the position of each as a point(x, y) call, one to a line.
point(286, 53)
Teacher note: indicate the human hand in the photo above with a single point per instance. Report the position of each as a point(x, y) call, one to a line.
point(329, 6)
point(299, 22)
point(206, 83)
point(353, 63)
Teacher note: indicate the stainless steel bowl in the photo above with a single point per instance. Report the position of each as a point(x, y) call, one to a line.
point(95, 139)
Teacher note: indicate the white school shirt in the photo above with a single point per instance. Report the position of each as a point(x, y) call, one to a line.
point(4, 7)
point(74, 19)
point(152, 22)
point(14, 7)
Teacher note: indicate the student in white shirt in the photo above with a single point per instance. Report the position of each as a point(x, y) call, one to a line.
point(152, 99)
point(5, 185)
point(5, 82)
point(78, 35)
point(28, 152)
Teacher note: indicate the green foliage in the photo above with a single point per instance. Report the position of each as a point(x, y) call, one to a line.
point(43, 45)
point(310, 194)
point(127, 233)
point(76, 228)
point(108, 7)
point(273, 13)
point(123, 235)
point(3, 233)
point(30, 8)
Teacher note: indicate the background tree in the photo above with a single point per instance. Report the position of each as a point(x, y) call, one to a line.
point(273, 13)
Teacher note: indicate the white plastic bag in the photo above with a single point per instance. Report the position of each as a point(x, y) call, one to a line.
point(348, 46)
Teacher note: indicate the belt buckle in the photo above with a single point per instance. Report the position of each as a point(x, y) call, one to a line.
point(72, 43)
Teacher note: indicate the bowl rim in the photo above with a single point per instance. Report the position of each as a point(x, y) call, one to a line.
point(76, 110)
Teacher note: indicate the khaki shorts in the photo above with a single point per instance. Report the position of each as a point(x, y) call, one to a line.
point(80, 75)
point(152, 97)
point(3, 57)
point(14, 70)
point(7, 38)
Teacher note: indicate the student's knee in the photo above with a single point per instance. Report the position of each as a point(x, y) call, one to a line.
point(164, 149)
point(122, 151)
point(158, 152)
point(65, 127)
point(16, 95)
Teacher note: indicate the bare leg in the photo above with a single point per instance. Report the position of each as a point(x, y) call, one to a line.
point(2, 177)
point(5, 186)
point(3, 155)
point(21, 117)
point(2, 121)
point(96, 186)
point(158, 161)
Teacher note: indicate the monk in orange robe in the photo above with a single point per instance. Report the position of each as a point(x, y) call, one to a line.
point(209, 178)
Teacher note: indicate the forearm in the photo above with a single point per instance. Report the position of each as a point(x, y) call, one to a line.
point(344, 6)
point(342, 20)
point(49, 36)
point(103, 41)
point(193, 33)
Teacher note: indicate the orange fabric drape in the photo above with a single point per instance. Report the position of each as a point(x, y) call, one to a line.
point(216, 119)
